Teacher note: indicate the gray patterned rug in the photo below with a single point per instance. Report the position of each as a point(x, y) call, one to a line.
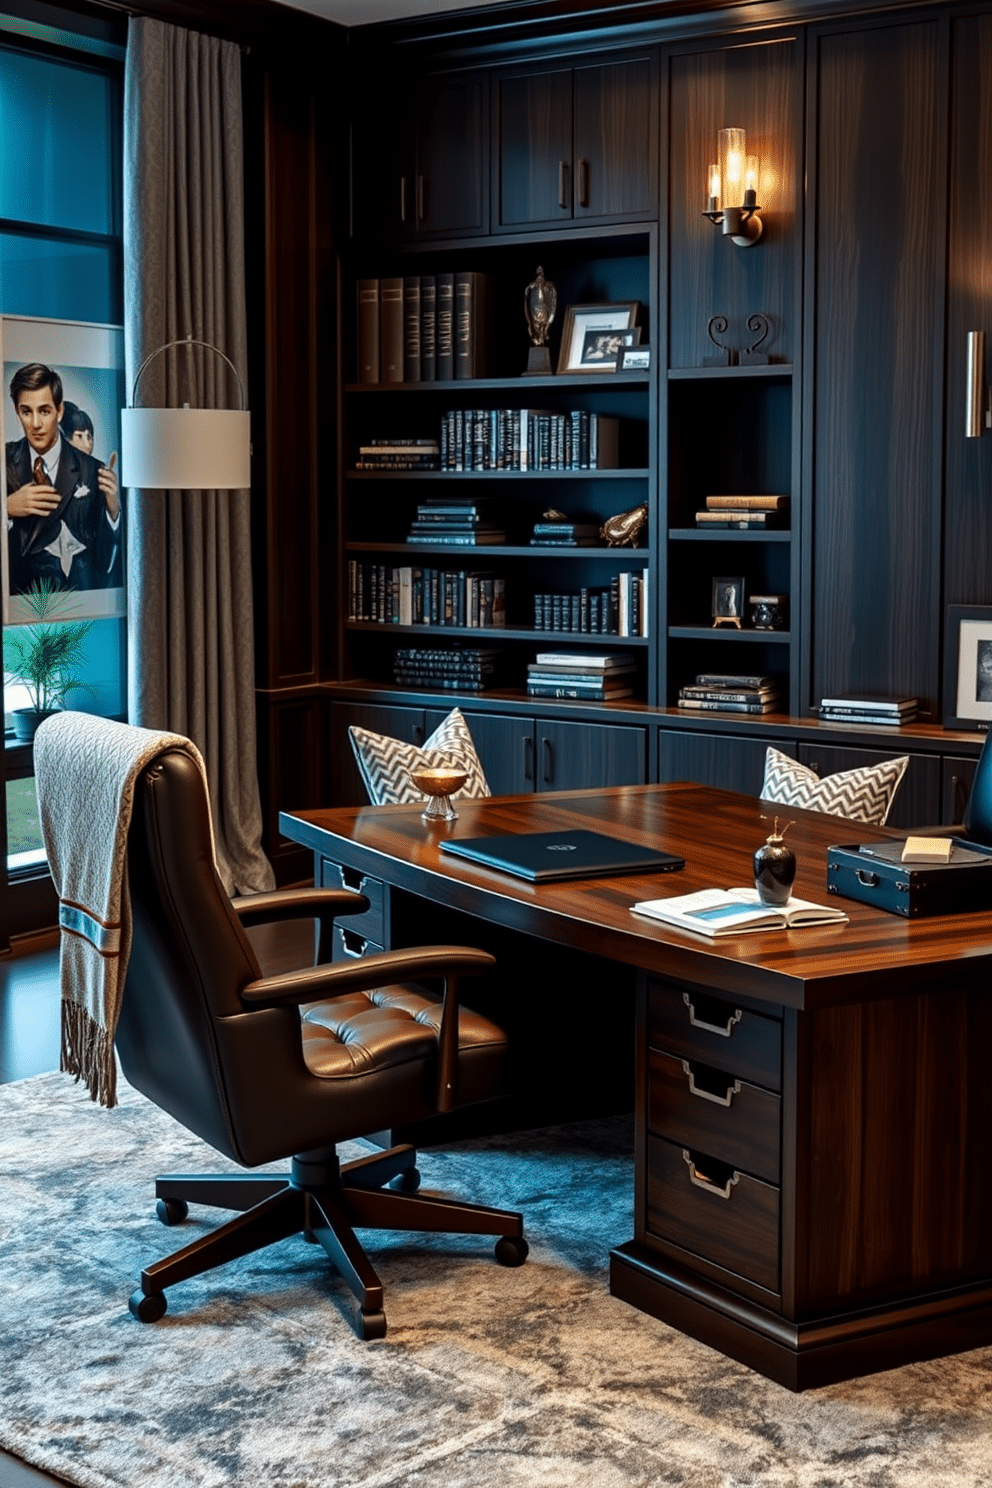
point(529, 1378)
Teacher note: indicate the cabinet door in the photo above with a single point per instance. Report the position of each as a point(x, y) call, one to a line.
point(451, 190)
point(615, 160)
point(917, 800)
point(713, 759)
point(578, 756)
point(504, 745)
point(382, 171)
point(347, 786)
point(535, 148)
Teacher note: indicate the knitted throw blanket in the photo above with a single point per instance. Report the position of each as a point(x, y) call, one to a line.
point(85, 770)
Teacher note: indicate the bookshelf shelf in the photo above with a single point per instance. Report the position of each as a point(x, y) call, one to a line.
point(558, 382)
point(728, 534)
point(496, 475)
point(490, 634)
point(726, 633)
point(776, 370)
point(625, 557)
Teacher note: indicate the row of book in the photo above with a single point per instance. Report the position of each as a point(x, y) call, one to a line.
point(589, 678)
point(869, 710)
point(399, 454)
point(621, 609)
point(423, 327)
point(528, 439)
point(471, 669)
point(729, 692)
point(425, 596)
point(456, 524)
point(745, 513)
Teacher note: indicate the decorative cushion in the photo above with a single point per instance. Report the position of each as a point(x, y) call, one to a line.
point(386, 763)
point(863, 795)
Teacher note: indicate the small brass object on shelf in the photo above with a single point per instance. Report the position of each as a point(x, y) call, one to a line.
point(439, 783)
point(624, 530)
point(540, 308)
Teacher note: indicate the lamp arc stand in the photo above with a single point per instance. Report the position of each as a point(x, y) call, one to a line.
point(188, 341)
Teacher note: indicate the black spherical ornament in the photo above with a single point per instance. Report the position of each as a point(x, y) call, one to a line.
point(775, 868)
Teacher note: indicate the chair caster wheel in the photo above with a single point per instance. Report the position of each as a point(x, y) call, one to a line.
point(407, 1182)
point(147, 1308)
point(371, 1325)
point(171, 1211)
point(512, 1250)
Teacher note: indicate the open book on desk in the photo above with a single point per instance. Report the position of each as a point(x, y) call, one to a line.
point(730, 911)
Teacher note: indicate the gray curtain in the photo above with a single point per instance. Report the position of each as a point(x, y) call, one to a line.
point(190, 630)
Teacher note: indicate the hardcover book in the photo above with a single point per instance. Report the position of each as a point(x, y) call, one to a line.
point(368, 330)
point(391, 330)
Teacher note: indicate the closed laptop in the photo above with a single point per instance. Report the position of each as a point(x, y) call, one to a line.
point(540, 856)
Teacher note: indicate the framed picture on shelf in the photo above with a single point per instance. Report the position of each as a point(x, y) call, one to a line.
point(635, 358)
point(968, 667)
point(595, 322)
point(728, 601)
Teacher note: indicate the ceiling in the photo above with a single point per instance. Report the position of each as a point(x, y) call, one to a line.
point(365, 12)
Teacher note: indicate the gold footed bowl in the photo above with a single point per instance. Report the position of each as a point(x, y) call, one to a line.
point(439, 783)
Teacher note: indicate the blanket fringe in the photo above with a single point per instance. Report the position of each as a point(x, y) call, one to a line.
point(88, 1053)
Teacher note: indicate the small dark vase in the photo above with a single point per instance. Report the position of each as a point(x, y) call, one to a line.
point(774, 869)
point(27, 722)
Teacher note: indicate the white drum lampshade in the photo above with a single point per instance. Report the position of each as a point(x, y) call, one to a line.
point(186, 449)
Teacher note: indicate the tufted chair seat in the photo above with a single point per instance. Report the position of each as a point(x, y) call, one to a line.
point(380, 1027)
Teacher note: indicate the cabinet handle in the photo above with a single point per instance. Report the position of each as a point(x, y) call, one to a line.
point(723, 1031)
point(583, 183)
point(402, 198)
point(701, 1181)
point(563, 183)
point(418, 733)
point(420, 198)
point(718, 1100)
point(352, 944)
point(549, 761)
point(528, 743)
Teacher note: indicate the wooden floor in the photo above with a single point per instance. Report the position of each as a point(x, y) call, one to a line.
point(29, 1045)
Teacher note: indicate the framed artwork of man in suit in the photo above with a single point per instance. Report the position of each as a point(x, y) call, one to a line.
point(62, 502)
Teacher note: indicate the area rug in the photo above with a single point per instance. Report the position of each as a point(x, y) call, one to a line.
point(488, 1378)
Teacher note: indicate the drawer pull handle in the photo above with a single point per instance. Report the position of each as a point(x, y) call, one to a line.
point(701, 1181)
point(868, 879)
point(351, 878)
point(352, 944)
point(718, 1100)
point(723, 1030)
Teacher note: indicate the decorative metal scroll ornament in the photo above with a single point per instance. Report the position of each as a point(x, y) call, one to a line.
point(624, 530)
point(540, 308)
point(726, 356)
point(752, 357)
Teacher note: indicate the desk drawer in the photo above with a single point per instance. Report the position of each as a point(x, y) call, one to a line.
point(702, 1108)
point(715, 1211)
point(350, 944)
point(696, 1025)
point(373, 922)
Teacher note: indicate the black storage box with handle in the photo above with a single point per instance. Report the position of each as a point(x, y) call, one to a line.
point(874, 874)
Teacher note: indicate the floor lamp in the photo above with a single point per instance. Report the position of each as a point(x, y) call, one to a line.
point(186, 449)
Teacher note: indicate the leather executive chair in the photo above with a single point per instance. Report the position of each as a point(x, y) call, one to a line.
point(264, 1068)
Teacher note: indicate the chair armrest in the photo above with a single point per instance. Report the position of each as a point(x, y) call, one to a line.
point(446, 962)
point(324, 905)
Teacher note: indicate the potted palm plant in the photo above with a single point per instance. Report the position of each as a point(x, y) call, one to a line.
point(45, 655)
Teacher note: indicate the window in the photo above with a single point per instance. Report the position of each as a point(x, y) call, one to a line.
point(61, 118)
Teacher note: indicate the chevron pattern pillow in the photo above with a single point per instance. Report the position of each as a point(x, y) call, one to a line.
point(863, 795)
point(385, 763)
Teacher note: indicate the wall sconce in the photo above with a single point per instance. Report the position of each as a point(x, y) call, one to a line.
point(976, 417)
point(186, 449)
point(732, 189)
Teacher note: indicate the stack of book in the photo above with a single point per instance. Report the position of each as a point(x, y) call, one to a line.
point(594, 679)
point(745, 513)
point(870, 710)
point(399, 454)
point(723, 692)
point(424, 327)
point(453, 669)
point(458, 524)
point(425, 596)
point(565, 534)
point(528, 439)
point(621, 610)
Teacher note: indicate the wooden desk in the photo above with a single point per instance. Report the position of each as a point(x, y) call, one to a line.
point(813, 1108)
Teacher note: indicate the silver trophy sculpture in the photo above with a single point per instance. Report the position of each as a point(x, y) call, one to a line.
point(540, 305)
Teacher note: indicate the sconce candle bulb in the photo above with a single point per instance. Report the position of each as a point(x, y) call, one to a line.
point(713, 187)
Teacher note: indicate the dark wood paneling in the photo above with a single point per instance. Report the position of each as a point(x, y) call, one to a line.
point(290, 768)
point(917, 800)
point(968, 500)
point(615, 162)
point(876, 359)
point(573, 756)
point(956, 777)
point(896, 1157)
point(451, 194)
point(757, 88)
point(713, 759)
point(535, 142)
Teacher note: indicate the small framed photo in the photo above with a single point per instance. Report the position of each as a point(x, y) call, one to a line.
point(635, 359)
point(968, 668)
point(588, 337)
point(728, 601)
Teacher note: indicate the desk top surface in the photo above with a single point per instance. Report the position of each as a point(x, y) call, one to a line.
point(716, 832)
